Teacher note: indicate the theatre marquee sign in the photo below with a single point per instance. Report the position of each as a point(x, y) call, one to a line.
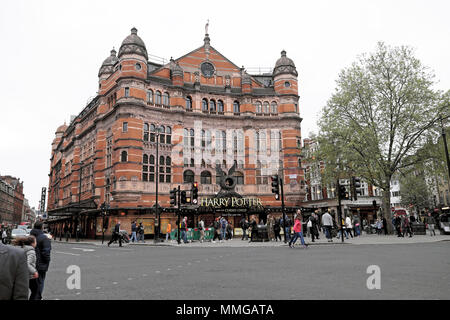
point(230, 205)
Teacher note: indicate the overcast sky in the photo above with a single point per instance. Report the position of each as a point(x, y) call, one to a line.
point(51, 52)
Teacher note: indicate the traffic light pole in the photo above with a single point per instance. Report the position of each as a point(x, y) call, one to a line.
point(282, 210)
point(340, 211)
point(179, 215)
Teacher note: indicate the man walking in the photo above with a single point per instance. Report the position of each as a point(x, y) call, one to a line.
point(244, 226)
point(66, 232)
point(431, 222)
point(327, 223)
point(184, 230)
point(201, 228)
point(116, 235)
point(14, 275)
point(133, 232)
point(223, 228)
point(216, 226)
point(141, 232)
point(43, 249)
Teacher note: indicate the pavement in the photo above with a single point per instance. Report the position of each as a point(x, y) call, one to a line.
point(366, 239)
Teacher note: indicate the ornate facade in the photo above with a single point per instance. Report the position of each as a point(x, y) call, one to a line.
point(201, 109)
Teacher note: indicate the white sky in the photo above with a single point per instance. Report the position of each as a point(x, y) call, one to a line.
point(51, 52)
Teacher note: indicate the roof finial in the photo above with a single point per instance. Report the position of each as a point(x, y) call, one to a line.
point(206, 27)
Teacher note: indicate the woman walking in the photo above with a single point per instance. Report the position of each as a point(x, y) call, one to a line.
point(297, 233)
point(277, 230)
point(28, 244)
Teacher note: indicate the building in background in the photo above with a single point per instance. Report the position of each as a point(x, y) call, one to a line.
point(18, 201)
point(211, 113)
point(323, 197)
point(6, 202)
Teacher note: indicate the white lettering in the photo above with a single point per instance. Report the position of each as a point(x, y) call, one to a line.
point(74, 280)
point(374, 281)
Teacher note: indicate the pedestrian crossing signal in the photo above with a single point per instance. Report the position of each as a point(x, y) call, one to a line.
point(275, 186)
point(183, 197)
point(194, 193)
point(173, 197)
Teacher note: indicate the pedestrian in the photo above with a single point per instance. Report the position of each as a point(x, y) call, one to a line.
point(277, 229)
point(297, 233)
point(14, 275)
point(385, 226)
point(201, 228)
point(407, 227)
point(43, 254)
point(78, 232)
point(28, 244)
point(270, 225)
point(184, 230)
point(216, 226)
point(223, 228)
point(229, 231)
point(254, 229)
point(309, 225)
point(349, 226)
point(357, 223)
point(430, 221)
point(343, 229)
point(398, 225)
point(116, 234)
point(66, 232)
point(286, 225)
point(168, 231)
point(133, 232)
point(244, 225)
point(141, 232)
point(327, 223)
point(4, 236)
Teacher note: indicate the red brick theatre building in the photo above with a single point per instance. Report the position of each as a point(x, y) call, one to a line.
point(195, 118)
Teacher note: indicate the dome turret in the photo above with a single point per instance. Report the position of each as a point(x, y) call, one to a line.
point(108, 64)
point(133, 44)
point(284, 65)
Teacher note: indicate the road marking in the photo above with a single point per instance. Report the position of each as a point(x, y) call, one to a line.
point(114, 282)
point(97, 288)
point(144, 275)
point(158, 271)
point(78, 293)
point(84, 250)
point(72, 254)
point(168, 269)
point(130, 278)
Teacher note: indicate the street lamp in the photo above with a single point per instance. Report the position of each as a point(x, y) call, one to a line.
point(157, 217)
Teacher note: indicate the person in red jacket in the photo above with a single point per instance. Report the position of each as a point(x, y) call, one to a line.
point(297, 233)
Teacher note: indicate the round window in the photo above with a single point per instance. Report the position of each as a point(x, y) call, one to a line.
point(138, 66)
point(287, 84)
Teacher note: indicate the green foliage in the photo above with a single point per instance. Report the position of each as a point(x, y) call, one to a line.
point(376, 121)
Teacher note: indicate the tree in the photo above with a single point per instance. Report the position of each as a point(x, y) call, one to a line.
point(414, 190)
point(378, 117)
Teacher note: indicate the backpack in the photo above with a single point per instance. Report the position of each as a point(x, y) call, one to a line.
point(224, 223)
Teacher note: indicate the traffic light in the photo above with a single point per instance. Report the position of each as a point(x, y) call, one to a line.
point(343, 194)
point(183, 197)
point(194, 194)
point(356, 185)
point(275, 186)
point(173, 197)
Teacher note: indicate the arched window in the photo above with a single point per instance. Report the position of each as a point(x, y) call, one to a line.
point(258, 172)
point(146, 132)
point(162, 134)
point(205, 177)
point(188, 103)
point(166, 99)
point(262, 143)
point(258, 107)
point(150, 96)
point(274, 107)
point(205, 105)
point(224, 164)
point(266, 107)
point(203, 138)
point(212, 106)
point(188, 176)
point(218, 138)
point(239, 177)
point(152, 133)
point(235, 142)
point(208, 139)
point(185, 162)
point(124, 156)
point(145, 167)
point(151, 168)
point(280, 141)
point(273, 141)
point(168, 135)
point(224, 141)
point(236, 107)
point(240, 141)
point(192, 137)
point(158, 98)
point(220, 106)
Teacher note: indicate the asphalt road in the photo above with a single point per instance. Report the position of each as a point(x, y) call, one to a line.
point(408, 271)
